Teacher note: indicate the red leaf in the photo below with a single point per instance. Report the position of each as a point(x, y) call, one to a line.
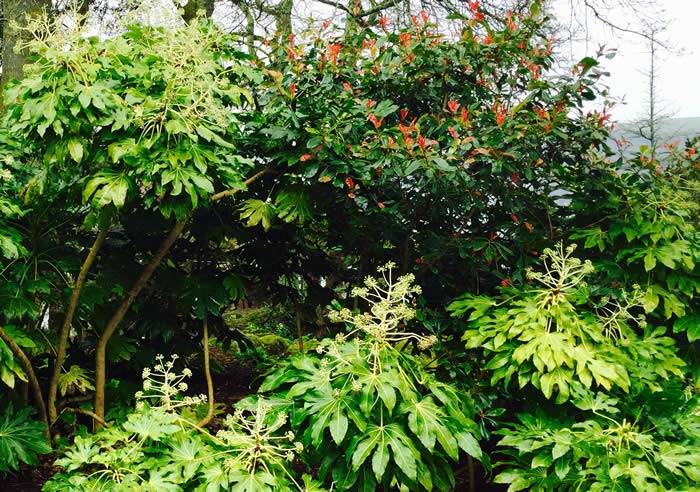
point(453, 106)
point(464, 115)
point(383, 22)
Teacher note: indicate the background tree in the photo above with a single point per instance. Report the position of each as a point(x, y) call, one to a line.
point(15, 12)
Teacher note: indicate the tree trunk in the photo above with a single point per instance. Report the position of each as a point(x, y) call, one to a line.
point(193, 7)
point(15, 11)
point(33, 381)
point(283, 19)
point(118, 316)
point(68, 320)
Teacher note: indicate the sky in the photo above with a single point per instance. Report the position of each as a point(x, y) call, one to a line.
point(679, 87)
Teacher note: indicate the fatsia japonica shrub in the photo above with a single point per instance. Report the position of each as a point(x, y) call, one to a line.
point(604, 451)
point(158, 447)
point(120, 137)
point(559, 336)
point(369, 413)
point(649, 233)
point(145, 116)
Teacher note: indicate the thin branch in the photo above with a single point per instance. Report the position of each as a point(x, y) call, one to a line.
point(617, 27)
point(379, 8)
point(68, 321)
point(33, 381)
point(223, 194)
point(90, 414)
point(336, 4)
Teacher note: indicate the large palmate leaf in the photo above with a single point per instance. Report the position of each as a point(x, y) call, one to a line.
point(21, 439)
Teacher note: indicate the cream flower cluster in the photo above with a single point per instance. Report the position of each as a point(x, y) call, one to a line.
point(164, 386)
point(563, 274)
point(388, 299)
point(252, 435)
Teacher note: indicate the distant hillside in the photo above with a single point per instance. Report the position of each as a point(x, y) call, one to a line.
point(671, 130)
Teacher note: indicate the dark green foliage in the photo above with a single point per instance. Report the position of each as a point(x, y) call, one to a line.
point(21, 439)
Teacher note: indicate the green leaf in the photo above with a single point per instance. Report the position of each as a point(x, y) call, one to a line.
point(153, 424)
point(257, 212)
point(294, 205)
point(363, 450)
point(118, 150)
point(403, 455)
point(560, 449)
point(380, 460)
point(690, 324)
point(76, 149)
point(650, 300)
point(387, 394)
point(21, 439)
point(469, 445)
point(338, 426)
point(76, 379)
point(649, 260)
point(561, 468)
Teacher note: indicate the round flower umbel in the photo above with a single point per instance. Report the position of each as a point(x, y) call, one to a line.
point(164, 386)
point(253, 441)
point(614, 313)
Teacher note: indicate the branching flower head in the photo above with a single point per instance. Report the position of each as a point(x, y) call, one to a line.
point(388, 298)
point(615, 313)
point(164, 386)
point(563, 273)
point(253, 436)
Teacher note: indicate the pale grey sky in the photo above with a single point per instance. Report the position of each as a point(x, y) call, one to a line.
point(679, 87)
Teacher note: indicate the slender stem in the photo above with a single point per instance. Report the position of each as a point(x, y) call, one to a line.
point(68, 320)
point(118, 316)
point(300, 340)
point(207, 375)
point(33, 381)
point(136, 288)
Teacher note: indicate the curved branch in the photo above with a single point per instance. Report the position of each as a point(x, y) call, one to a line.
point(136, 288)
point(33, 381)
point(207, 374)
point(90, 414)
point(223, 194)
point(68, 320)
point(617, 27)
